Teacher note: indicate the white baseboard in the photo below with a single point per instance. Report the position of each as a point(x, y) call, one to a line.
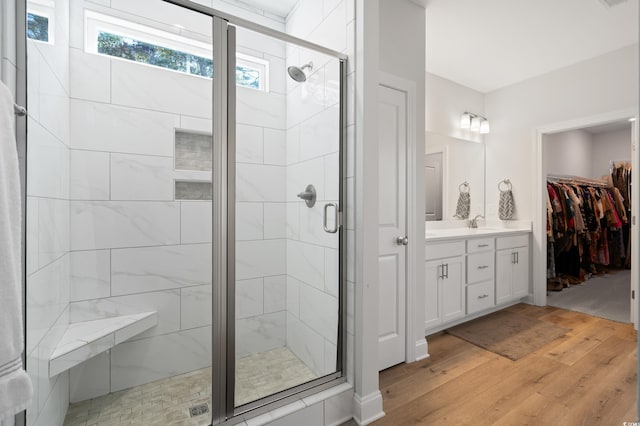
point(367, 409)
point(422, 349)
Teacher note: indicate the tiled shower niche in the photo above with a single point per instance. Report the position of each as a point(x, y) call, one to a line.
point(193, 152)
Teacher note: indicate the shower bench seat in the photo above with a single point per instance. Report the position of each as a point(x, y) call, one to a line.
point(84, 340)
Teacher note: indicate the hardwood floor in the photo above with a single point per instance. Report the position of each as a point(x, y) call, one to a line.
point(587, 377)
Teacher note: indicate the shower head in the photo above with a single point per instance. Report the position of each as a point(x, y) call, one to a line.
point(297, 73)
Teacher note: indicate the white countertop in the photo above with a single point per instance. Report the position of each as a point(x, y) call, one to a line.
point(441, 231)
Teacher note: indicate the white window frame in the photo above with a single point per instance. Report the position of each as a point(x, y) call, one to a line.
point(46, 9)
point(95, 23)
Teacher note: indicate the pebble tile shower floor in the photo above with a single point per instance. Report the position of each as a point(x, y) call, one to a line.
point(167, 401)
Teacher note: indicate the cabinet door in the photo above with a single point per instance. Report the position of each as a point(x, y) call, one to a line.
point(504, 266)
point(520, 273)
point(452, 289)
point(432, 297)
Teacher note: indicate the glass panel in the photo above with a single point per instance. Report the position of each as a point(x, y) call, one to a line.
point(287, 287)
point(119, 220)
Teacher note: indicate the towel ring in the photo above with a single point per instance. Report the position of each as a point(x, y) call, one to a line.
point(463, 185)
point(506, 182)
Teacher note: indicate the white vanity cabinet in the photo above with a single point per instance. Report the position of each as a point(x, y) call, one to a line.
point(512, 268)
point(445, 279)
point(480, 274)
point(472, 275)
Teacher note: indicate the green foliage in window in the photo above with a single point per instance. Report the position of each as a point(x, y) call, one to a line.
point(247, 77)
point(37, 27)
point(135, 50)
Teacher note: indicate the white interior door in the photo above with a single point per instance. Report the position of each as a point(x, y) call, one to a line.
point(392, 200)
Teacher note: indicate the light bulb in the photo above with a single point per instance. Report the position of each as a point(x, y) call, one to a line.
point(465, 121)
point(484, 126)
point(475, 124)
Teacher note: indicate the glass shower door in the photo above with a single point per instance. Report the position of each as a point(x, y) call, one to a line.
point(287, 237)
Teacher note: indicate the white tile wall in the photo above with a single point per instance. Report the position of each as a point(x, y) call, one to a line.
point(250, 223)
point(90, 76)
point(275, 220)
point(275, 147)
point(112, 224)
point(89, 175)
point(139, 270)
point(260, 258)
point(306, 343)
point(195, 306)
point(249, 144)
point(260, 183)
point(173, 354)
point(141, 177)
point(319, 311)
point(195, 222)
point(53, 226)
point(305, 262)
point(259, 334)
point(90, 379)
point(249, 298)
point(275, 294)
point(103, 127)
point(90, 275)
point(48, 156)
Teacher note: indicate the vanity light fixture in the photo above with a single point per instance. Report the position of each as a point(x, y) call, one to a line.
point(465, 121)
point(484, 126)
point(474, 122)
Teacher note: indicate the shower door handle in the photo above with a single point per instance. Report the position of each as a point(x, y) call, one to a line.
point(335, 218)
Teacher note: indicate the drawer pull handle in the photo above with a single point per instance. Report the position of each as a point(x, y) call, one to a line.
point(484, 296)
point(483, 245)
point(483, 267)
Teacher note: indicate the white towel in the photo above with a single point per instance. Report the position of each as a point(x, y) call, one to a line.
point(15, 385)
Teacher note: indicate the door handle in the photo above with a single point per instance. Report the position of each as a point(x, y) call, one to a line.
point(513, 258)
point(402, 241)
point(484, 296)
point(483, 267)
point(517, 257)
point(335, 218)
point(445, 274)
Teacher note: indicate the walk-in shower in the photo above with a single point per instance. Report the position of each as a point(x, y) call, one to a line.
point(174, 276)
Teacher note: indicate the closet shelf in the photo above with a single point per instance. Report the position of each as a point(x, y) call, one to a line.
point(84, 340)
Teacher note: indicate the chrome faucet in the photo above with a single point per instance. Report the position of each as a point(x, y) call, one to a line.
point(473, 223)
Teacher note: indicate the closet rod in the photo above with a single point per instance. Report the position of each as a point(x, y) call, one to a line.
point(577, 180)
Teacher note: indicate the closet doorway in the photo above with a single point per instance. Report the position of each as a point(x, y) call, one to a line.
point(590, 263)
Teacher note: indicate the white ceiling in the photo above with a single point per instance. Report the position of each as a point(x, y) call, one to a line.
point(279, 8)
point(489, 44)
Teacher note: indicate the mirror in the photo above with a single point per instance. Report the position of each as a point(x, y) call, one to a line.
point(449, 162)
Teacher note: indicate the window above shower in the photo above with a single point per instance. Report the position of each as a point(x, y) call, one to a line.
point(40, 21)
point(106, 35)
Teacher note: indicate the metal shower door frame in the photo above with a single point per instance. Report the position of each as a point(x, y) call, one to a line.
point(224, 244)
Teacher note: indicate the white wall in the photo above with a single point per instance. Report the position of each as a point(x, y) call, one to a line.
point(581, 153)
point(569, 153)
point(600, 85)
point(8, 45)
point(446, 101)
point(607, 147)
point(48, 217)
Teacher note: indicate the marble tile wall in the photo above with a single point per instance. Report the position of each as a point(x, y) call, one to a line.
point(48, 231)
point(138, 241)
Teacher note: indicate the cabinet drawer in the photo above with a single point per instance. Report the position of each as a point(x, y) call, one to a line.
point(511, 242)
point(480, 244)
point(480, 267)
point(438, 251)
point(479, 297)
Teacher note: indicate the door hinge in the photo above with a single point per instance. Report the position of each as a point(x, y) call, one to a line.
point(633, 295)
